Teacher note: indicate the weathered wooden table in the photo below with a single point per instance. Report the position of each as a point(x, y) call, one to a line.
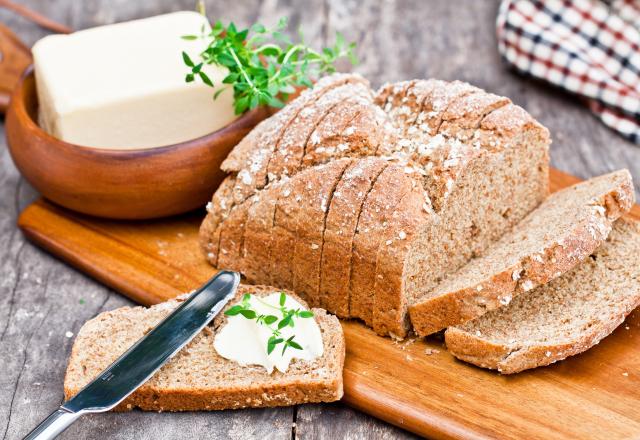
point(43, 301)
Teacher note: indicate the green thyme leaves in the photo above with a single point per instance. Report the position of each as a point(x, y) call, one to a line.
point(283, 316)
point(265, 66)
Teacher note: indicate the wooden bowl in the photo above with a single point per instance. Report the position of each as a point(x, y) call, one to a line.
point(118, 184)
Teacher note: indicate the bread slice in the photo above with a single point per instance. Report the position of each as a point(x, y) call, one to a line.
point(232, 234)
point(311, 223)
point(562, 318)
point(559, 234)
point(258, 236)
point(285, 225)
point(341, 223)
point(379, 205)
point(390, 301)
point(197, 378)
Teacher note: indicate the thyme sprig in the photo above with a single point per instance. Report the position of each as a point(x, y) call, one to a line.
point(287, 319)
point(265, 66)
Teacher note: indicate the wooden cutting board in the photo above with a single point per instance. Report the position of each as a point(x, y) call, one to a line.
point(415, 384)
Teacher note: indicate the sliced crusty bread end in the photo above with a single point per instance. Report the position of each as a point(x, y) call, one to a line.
point(550, 241)
point(197, 378)
point(560, 319)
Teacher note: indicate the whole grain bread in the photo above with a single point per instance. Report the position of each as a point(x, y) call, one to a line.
point(476, 165)
point(197, 378)
point(551, 240)
point(565, 317)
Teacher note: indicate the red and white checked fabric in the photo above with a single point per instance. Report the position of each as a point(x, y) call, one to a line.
point(588, 47)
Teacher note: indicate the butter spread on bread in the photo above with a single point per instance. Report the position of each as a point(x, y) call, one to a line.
point(269, 331)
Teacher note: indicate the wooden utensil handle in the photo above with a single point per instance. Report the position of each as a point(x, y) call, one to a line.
point(14, 58)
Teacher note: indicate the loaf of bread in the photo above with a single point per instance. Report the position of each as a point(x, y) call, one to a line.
point(363, 201)
point(562, 318)
point(198, 378)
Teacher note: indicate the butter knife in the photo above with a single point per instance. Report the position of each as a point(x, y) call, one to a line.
point(145, 357)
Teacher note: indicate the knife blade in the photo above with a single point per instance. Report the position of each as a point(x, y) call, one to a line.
point(145, 357)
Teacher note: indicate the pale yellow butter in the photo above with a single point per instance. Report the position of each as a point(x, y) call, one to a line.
point(122, 85)
point(245, 341)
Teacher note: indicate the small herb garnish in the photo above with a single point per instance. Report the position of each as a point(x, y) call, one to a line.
point(264, 67)
point(288, 319)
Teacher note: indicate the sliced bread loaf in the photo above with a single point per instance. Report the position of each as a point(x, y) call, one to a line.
point(197, 378)
point(477, 165)
point(562, 318)
point(551, 240)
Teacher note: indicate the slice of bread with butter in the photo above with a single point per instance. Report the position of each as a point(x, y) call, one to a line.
point(200, 377)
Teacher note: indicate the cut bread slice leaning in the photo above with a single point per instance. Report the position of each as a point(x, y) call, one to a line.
point(197, 378)
point(560, 319)
point(551, 240)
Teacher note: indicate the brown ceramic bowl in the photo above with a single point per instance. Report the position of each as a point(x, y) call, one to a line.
point(118, 184)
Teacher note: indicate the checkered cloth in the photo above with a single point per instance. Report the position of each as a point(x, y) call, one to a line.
point(588, 47)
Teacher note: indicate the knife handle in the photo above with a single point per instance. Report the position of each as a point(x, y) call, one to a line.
point(53, 425)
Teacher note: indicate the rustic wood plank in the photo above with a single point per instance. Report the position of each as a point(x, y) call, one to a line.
point(397, 39)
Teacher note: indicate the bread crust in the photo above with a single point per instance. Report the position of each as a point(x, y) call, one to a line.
point(354, 128)
point(232, 234)
point(258, 241)
point(277, 389)
point(464, 115)
point(288, 157)
point(209, 234)
point(285, 225)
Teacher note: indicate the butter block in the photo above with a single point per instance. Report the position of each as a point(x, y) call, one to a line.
point(122, 86)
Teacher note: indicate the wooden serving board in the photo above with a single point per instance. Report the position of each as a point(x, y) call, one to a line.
point(415, 384)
